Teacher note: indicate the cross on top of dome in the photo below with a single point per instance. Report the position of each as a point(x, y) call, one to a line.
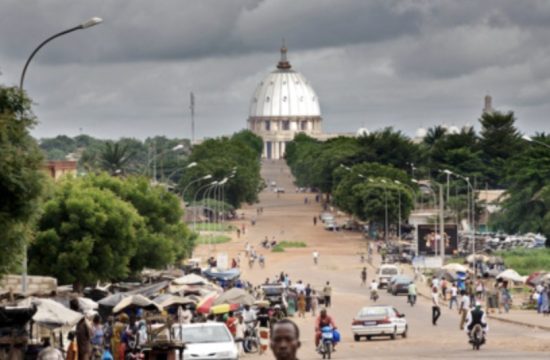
point(283, 63)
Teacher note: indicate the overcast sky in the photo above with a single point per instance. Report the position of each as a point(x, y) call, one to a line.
point(406, 64)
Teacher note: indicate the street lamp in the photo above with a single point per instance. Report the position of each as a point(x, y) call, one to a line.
point(448, 173)
point(399, 210)
point(195, 200)
point(385, 206)
point(93, 21)
point(87, 24)
point(206, 177)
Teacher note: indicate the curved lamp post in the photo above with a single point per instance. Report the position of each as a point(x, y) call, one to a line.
point(92, 22)
point(87, 24)
point(206, 177)
point(195, 201)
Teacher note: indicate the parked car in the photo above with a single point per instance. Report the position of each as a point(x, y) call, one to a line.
point(332, 226)
point(385, 272)
point(379, 320)
point(275, 294)
point(326, 216)
point(206, 341)
point(280, 190)
point(399, 285)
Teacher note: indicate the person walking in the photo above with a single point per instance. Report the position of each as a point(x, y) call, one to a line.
point(454, 296)
point(301, 304)
point(314, 220)
point(315, 257)
point(463, 308)
point(436, 310)
point(314, 303)
point(327, 293)
point(364, 276)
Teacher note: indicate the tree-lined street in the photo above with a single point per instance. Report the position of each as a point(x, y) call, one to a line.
point(287, 218)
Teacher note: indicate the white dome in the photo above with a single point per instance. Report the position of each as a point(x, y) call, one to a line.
point(421, 133)
point(284, 92)
point(363, 132)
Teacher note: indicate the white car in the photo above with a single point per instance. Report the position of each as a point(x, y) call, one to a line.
point(379, 321)
point(385, 272)
point(206, 341)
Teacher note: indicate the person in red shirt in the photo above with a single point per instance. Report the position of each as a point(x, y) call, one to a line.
point(322, 320)
point(231, 324)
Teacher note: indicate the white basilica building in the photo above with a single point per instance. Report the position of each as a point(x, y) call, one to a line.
point(284, 104)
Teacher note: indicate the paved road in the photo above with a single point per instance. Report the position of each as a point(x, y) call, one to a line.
point(287, 218)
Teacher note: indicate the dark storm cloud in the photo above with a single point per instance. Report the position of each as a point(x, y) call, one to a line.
point(373, 63)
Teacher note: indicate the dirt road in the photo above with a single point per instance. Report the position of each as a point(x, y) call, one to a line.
point(287, 217)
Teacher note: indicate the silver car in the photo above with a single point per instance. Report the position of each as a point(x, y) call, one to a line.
point(210, 340)
point(380, 320)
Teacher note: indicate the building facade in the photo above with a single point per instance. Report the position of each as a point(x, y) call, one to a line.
point(283, 105)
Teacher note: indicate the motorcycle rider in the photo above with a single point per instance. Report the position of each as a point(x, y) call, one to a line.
point(323, 320)
point(412, 293)
point(373, 287)
point(476, 316)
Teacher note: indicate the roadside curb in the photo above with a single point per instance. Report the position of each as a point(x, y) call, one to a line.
point(521, 323)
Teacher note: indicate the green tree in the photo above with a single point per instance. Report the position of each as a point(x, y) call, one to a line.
point(85, 234)
point(499, 141)
point(526, 206)
point(21, 180)
point(218, 158)
point(115, 157)
point(164, 238)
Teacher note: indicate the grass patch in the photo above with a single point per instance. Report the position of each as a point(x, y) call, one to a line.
point(525, 261)
point(278, 248)
point(292, 244)
point(213, 227)
point(217, 239)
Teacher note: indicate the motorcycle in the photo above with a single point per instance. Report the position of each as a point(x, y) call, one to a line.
point(477, 337)
point(251, 341)
point(327, 342)
point(411, 299)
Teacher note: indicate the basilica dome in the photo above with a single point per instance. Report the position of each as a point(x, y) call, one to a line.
point(284, 93)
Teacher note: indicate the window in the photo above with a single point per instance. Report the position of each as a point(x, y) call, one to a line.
point(267, 125)
point(286, 125)
point(303, 125)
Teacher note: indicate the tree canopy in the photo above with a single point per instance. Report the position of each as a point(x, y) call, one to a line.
point(21, 178)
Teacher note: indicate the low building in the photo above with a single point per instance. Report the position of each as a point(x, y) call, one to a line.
point(59, 168)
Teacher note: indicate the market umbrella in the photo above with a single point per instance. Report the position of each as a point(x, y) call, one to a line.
point(50, 313)
point(536, 278)
point(511, 275)
point(190, 279)
point(206, 303)
point(454, 267)
point(136, 301)
point(261, 303)
point(167, 300)
point(223, 308)
point(235, 296)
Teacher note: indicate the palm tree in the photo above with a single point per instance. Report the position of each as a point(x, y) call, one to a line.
point(115, 157)
point(434, 134)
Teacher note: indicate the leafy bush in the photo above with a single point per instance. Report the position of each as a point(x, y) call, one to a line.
point(292, 244)
point(526, 261)
point(278, 248)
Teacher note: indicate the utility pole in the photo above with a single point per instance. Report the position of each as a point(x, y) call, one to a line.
point(441, 225)
point(192, 107)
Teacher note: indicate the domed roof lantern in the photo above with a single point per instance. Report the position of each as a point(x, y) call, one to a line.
point(283, 63)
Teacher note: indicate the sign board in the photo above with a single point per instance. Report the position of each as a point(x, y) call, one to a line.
point(222, 261)
point(429, 262)
point(429, 240)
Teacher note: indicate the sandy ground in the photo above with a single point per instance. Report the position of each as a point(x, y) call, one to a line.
point(286, 217)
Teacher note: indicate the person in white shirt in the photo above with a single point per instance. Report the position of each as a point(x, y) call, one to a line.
point(249, 315)
point(463, 308)
point(315, 257)
point(454, 294)
point(184, 315)
point(49, 352)
point(436, 310)
point(373, 287)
